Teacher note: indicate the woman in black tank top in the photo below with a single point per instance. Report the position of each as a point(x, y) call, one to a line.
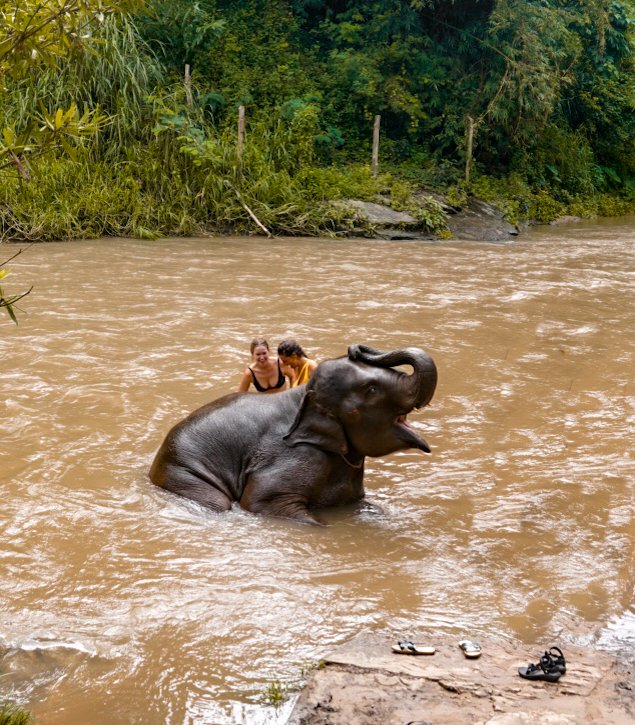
point(265, 373)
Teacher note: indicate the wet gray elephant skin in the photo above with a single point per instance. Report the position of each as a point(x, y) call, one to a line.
point(291, 453)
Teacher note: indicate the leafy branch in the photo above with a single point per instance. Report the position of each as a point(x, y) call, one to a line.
point(8, 302)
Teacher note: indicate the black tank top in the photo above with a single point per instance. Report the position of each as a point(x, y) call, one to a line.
point(259, 387)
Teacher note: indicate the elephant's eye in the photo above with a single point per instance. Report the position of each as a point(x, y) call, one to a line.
point(371, 389)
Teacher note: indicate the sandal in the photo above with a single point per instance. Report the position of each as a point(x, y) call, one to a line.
point(410, 648)
point(538, 672)
point(554, 660)
point(471, 650)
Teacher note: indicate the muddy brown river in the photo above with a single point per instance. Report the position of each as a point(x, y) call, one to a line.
point(121, 603)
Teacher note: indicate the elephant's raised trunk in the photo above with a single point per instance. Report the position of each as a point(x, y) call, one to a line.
point(423, 381)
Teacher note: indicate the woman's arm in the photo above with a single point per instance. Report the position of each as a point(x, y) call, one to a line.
point(289, 372)
point(245, 381)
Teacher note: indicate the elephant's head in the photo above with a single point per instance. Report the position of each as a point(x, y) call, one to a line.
point(357, 405)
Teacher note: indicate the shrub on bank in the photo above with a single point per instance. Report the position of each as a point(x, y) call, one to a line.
point(521, 202)
point(196, 190)
point(151, 194)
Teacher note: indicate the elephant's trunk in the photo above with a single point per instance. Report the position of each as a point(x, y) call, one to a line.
point(420, 386)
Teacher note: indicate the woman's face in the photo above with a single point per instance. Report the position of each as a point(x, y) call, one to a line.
point(261, 354)
point(290, 360)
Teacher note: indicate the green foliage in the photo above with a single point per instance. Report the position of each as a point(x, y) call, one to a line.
point(513, 195)
point(44, 133)
point(535, 48)
point(204, 191)
point(404, 197)
point(604, 205)
point(457, 195)
point(547, 82)
point(274, 694)
point(601, 99)
point(242, 53)
point(355, 181)
point(520, 201)
point(104, 200)
point(180, 32)
point(8, 302)
point(114, 80)
point(14, 715)
point(34, 32)
point(35, 36)
point(431, 215)
point(543, 208)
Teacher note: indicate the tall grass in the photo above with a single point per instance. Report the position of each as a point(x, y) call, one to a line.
point(13, 715)
point(115, 74)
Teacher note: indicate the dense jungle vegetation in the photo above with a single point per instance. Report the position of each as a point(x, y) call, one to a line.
point(106, 134)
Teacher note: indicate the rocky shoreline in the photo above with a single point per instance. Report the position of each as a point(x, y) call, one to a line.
point(364, 683)
point(476, 221)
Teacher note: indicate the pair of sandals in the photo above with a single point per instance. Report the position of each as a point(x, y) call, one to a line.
point(471, 650)
point(550, 668)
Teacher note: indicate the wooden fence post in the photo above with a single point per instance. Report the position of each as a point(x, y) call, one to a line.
point(375, 157)
point(188, 85)
point(241, 136)
point(469, 147)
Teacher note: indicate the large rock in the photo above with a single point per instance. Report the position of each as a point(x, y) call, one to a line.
point(383, 216)
point(380, 221)
point(476, 221)
point(480, 222)
point(365, 683)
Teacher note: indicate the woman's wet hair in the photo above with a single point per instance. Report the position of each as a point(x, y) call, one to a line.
point(256, 342)
point(288, 348)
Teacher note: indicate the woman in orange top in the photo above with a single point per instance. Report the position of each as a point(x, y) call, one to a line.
point(294, 358)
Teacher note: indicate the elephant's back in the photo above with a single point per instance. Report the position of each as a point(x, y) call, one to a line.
point(241, 409)
point(231, 425)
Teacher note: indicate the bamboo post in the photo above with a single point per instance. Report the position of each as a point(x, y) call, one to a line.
point(188, 85)
point(375, 157)
point(468, 151)
point(241, 135)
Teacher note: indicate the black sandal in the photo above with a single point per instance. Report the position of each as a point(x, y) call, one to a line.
point(538, 672)
point(554, 660)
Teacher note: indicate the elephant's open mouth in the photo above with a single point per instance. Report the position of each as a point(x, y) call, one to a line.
point(409, 434)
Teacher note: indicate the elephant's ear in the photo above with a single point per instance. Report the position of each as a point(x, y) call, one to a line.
point(315, 425)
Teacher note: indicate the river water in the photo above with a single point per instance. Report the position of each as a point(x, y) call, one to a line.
point(121, 603)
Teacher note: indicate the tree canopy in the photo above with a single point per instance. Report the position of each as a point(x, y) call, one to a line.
point(138, 104)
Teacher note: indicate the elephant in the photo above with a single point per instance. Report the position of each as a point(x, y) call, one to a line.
point(302, 449)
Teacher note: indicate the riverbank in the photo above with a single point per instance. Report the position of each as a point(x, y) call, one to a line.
point(365, 683)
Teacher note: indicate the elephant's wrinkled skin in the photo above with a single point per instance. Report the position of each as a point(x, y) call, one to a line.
point(303, 449)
